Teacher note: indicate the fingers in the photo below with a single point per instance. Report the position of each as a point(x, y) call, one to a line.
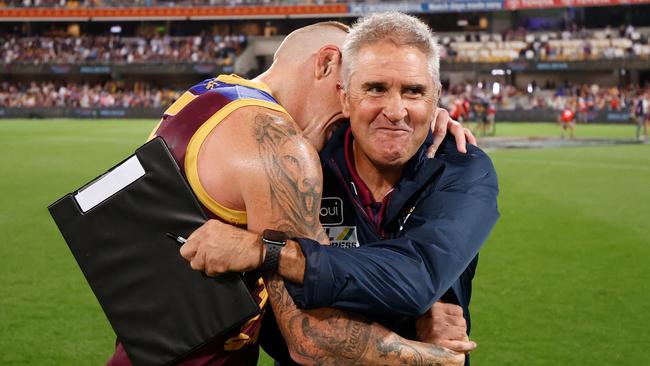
point(470, 137)
point(459, 346)
point(457, 321)
point(439, 130)
point(198, 262)
point(450, 320)
point(451, 333)
point(451, 309)
point(459, 135)
point(188, 250)
point(431, 151)
point(191, 246)
point(441, 124)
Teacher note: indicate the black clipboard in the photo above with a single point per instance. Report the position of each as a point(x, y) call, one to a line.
point(115, 226)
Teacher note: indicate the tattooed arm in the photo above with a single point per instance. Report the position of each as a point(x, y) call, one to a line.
point(335, 337)
point(281, 188)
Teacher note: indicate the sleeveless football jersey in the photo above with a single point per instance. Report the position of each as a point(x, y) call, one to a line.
point(184, 126)
point(187, 123)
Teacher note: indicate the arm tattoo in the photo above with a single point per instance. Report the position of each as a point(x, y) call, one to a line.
point(295, 188)
point(327, 336)
point(409, 354)
point(333, 337)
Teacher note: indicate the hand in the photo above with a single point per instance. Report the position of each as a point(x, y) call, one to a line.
point(444, 325)
point(217, 248)
point(442, 123)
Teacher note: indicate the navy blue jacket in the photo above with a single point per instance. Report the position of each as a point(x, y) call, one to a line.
point(438, 217)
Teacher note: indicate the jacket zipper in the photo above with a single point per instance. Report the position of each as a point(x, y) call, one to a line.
point(354, 199)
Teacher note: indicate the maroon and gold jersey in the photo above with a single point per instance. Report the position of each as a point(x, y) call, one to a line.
point(184, 127)
point(188, 122)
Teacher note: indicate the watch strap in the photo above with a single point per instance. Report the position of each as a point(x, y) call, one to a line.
point(271, 259)
point(273, 242)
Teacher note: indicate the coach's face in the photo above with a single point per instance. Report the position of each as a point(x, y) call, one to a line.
point(390, 103)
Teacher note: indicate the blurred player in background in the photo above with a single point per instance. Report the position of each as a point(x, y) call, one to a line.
point(491, 114)
point(583, 110)
point(641, 116)
point(567, 118)
point(459, 109)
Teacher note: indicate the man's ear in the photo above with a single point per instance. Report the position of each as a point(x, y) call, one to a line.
point(328, 59)
point(343, 98)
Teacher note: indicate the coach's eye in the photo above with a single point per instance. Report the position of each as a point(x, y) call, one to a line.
point(413, 91)
point(376, 89)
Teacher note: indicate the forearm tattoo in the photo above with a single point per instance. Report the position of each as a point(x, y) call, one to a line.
point(409, 355)
point(326, 336)
point(334, 337)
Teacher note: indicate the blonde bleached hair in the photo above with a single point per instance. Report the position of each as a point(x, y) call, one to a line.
point(395, 27)
point(311, 34)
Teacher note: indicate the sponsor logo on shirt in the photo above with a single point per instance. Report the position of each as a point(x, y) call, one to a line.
point(331, 211)
point(342, 236)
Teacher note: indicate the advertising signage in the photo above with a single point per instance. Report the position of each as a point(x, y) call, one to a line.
point(541, 4)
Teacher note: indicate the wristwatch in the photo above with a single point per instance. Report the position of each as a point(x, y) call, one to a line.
point(273, 241)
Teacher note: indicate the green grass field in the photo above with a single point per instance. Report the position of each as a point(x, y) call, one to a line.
point(563, 280)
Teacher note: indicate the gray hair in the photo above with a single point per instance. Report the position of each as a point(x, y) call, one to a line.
point(395, 27)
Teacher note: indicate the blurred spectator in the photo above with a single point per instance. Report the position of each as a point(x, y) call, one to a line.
point(110, 94)
point(464, 99)
point(570, 45)
point(162, 3)
point(116, 49)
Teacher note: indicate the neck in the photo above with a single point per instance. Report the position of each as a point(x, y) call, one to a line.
point(380, 180)
point(286, 92)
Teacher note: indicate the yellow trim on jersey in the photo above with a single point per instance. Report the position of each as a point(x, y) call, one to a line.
point(236, 79)
point(180, 103)
point(191, 157)
point(173, 109)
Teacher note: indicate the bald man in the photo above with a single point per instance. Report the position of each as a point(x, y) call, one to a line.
point(248, 150)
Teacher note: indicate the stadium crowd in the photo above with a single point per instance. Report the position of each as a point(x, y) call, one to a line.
point(116, 49)
point(577, 45)
point(110, 94)
point(461, 99)
point(162, 3)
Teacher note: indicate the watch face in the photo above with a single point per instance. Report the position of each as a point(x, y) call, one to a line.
point(274, 236)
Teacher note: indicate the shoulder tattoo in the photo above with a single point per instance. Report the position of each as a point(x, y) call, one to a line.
point(295, 184)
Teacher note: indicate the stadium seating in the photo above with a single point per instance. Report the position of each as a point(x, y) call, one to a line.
point(544, 46)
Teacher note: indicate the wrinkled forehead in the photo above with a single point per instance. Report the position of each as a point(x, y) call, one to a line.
point(382, 61)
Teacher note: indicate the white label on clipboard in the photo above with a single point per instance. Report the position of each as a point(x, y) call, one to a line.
point(111, 183)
